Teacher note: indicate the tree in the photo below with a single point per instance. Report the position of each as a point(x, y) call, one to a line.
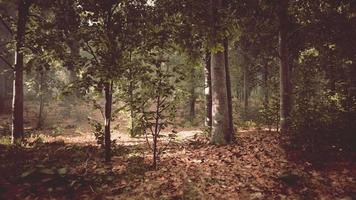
point(221, 132)
point(228, 87)
point(17, 105)
point(208, 100)
point(111, 32)
point(285, 79)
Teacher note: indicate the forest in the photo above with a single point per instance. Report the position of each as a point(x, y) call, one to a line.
point(178, 99)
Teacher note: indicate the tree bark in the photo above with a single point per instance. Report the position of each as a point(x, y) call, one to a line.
point(2, 93)
point(265, 84)
point(230, 132)
point(41, 91)
point(108, 110)
point(220, 112)
point(17, 102)
point(285, 102)
point(208, 100)
point(245, 90)
point(74, 53)
point(192, 98)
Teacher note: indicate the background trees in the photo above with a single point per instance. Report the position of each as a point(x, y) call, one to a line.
point(160, 81)
point(260, 58)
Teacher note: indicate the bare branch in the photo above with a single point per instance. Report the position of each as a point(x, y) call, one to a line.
point(4, 44)
point(148, 143)
point(6, 25)
point(92, 52)
point(8, 64)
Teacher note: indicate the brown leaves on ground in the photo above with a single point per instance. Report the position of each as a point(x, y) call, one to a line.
point(255, 167)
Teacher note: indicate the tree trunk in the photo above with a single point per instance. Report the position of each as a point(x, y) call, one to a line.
point(220, 112)
point(41, 91)
point(74, 53)
point(156, 130)
point(246, 92)
point(208, 100)
point(2, 93)
point(17, 102)
point(192, 105)
point(230, 132)
point(265, 84)
point(132, 113)
point(108, 108)
point(192, 97)
point(285, 102)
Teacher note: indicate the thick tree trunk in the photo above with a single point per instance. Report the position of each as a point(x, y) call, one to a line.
point(108, 109)
point(208, 100)
point(220, 112)
point(285, 85)
point(17, 102)
point(230, 132)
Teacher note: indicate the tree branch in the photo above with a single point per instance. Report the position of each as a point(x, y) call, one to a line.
point(6, 25)
point(7, 63)
point(4, 44)
point(92, 52)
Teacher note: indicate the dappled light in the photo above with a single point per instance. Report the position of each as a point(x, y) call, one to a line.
point(180, 100)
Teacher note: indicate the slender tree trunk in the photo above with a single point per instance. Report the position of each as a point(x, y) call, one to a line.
point(265, 84)
point(132, 113)
point(74, 53)
point(192, 105)
point(208, 100)
point(192, 98)
point(40, 112)
point(220, 111)
point(246, 90)
point(285, 85)
point(156, 132)
point(230, 133)
point(108, 109)
point(131, 98)
point(2, 93)
point(17, 102)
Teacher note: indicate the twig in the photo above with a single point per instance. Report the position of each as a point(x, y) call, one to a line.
point(165, 147)
point(86, 165)
point(91, 188)
point(148, 143)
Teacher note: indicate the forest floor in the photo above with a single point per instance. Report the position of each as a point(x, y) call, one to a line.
point(256, 166)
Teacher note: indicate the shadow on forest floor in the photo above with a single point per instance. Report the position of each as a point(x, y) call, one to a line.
point(60, 170)
point(257, 166)
point(321, 150)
